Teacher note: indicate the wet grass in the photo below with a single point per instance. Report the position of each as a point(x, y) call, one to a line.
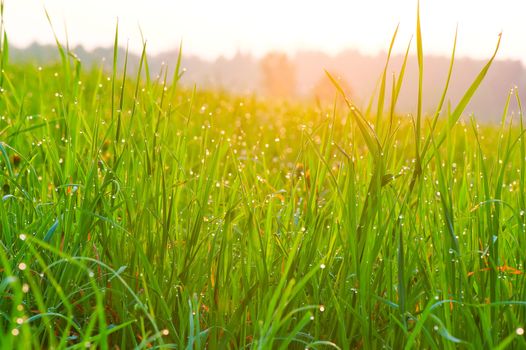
point(139, 214)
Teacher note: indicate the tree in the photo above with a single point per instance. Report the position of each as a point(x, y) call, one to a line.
point(279, 75)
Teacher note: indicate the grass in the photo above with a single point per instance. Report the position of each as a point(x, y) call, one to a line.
point(138, 214)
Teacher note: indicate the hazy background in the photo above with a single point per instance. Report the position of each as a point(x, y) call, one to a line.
point(226, 44)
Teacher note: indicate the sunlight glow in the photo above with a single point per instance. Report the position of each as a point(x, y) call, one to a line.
point(212, 28)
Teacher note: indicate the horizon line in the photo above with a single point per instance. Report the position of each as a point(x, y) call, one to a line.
point(243, 52)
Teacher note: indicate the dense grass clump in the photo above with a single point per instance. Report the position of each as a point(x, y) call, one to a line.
point(139, 214)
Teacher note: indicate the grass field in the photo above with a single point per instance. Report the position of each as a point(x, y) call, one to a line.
point(136, 213)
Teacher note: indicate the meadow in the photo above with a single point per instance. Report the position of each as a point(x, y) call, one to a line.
point(137, 213)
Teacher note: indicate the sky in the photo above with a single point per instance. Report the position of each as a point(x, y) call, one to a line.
point(212, 28)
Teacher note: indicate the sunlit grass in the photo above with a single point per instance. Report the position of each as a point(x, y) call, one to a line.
point(136, 213)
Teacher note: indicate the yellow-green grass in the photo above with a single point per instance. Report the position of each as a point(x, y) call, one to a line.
point(136, 213)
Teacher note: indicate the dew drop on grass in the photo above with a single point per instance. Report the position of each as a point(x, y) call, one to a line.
point(322, 308)
point(519, 331)
point(322, 266)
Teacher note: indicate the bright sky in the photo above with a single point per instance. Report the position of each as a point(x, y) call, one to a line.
point(221, 27)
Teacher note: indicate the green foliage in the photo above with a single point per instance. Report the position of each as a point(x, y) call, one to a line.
point(137, 214)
